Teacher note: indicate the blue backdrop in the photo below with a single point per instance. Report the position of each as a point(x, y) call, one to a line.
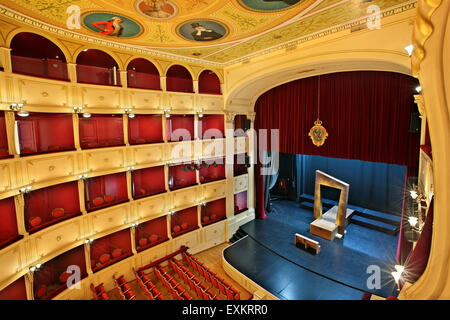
point(376, 186)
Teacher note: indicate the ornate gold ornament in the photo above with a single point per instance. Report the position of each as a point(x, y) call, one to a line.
point(318, 133)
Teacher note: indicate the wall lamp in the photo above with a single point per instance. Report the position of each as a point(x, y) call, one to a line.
point(132, 168)
point(88, 241)
point(18, 108)
point(134, 225)
point(77, 109)
point(172, 212)
point(167, 113)
point(35, 268)
point(83, 176)
point(409, 49)
point(419, 89)
point(203, 204)
point(397, 273)
point(86, 115)
point(200, 113)
point(25, 189)
point(130, 113)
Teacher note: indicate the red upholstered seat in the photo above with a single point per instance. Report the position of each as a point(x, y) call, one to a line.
point(145, 278)
point(186, 296)
point(184, 226)
point(104, 296)
point(64, 276)
point(93, 144)
point(129, 295)
point(100, 288)
point(53, 148)
point(176, 228)
point(109, 198)
point(41, 292)
point(57, 213)
point(153, 238)
point(213, 216)
point(142, 191)
point(205, 218)
point(98, 201)
point(143, 242)
point(104, 258)
point(230, 294)
point(35, 221)
point(116, 253)
point(140, 140)
point(121, 280)
point(125, 287)
point(141, 273)
point(202, 178)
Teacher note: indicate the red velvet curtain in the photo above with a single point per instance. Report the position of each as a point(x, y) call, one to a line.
point(366, 114)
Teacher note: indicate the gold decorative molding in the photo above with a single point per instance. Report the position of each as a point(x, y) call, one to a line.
point(423, 29)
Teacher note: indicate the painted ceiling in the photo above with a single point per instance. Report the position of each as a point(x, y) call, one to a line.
point(215, 31)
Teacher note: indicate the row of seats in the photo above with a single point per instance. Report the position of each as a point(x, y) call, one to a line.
point(99, 292)
point(192, 281)
point(124, 288)
point(149, 288)
point(177, 291)
point(226, 289)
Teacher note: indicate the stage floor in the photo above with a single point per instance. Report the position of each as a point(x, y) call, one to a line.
point(269, 257)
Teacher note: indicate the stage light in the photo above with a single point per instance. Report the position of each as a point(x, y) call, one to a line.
point(413, 194)
point(419, 89)
point(413, 221)
point(396, 276)
point(409, 49)
point(399, 268)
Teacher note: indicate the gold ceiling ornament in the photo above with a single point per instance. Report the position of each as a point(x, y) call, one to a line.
point(318, 133)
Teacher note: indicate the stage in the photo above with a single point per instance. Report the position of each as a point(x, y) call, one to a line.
point(269, 257)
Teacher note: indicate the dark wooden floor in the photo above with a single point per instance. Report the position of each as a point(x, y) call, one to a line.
point(269, 257)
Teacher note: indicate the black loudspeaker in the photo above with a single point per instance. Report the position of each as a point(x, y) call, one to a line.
point(247, 161)
point(414, 123)
point(247, 124)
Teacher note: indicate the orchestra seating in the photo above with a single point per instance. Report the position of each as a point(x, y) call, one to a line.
point(123, 288)
point(177, 291)
point(147, 286)
point(99, 292)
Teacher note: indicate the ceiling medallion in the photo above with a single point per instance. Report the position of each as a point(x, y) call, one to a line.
point(202, 30)
point(269, 5)
point(111, 24)
point(318, 133)
point(156, 9)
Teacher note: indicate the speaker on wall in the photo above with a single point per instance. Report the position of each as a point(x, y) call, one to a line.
point(415, 123)
point(247, 124)
point(247, 161)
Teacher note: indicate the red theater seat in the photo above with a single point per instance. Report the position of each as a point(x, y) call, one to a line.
point(98, 201)
point(35, 221)
point(186, 296)
point(116, 253)
point(104, 258)
point(184, 226)
point(41, 292)
point(176, 228)
point(213, 216)
point(57, 213)
point(153, 238)
point(109, 198)
point(104, 296)
point(64, 277)
point(100, 288)
point(143, 242)
point(205, 219)
point(130, 295)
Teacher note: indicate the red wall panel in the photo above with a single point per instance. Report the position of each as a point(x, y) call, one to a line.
point(101, 131)
point(184, 221)
point(15, 291)
point(45, 132)
point(40, 203)
point(105, 191)
point(211, 126)
point(240, 202)
point(145, 129)
point(149, 181)
point(151, 233)
point(4, 152)
point(181, 177)
point(213, 211)
point(8, 224)
point(180, 128)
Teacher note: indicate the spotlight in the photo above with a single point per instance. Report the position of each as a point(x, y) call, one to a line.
point(396, 276)
point(413, 221)
point(419, 89)
point(409, 49)
point(413, 194)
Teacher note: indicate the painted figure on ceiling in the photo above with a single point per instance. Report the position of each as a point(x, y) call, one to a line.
point(111, 27)
point(203, 34)
point(157, 9)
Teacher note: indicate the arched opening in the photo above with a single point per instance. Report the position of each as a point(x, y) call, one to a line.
point(179, 79)
point(143, 74)
point(209, 82)
point(97, 67)
point(34, 55)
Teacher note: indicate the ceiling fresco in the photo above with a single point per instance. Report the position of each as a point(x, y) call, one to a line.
point(215, 31)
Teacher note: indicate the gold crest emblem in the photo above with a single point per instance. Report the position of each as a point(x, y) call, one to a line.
point(318, 133)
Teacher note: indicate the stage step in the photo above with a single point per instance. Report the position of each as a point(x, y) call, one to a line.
point(372, 219)
point(238, 235)
point(374, 224)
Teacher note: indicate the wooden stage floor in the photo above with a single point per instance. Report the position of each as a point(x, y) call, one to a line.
point(269, 257)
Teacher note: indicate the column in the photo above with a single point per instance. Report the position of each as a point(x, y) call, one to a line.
point(195, 85)
point(10, 119)
point(29, 285)
point(163, 85)
point(72, 72)
point(418, 99)
point(20, 208)
point(251, 193)
point(229, 160)
point(76, 131)
point(5, 59)
point(124, 78)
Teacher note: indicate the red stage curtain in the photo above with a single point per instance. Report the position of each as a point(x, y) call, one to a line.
point(366, 114)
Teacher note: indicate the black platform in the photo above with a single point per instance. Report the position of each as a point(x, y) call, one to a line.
point(269, 257)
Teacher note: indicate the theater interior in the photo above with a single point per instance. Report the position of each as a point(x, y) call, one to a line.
point(224, 150)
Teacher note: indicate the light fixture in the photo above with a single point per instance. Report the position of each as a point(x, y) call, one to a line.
point(18, 108)
point(25, 189)
point(130, 113)
point(87, 241)
point(399, 268)
point(200, 113)
point(172, 212)
point(33, 269)
point(203, 204)
point(167, 113)
point(413, 221)
point(134, 225)
point(83, 176)
point(409, 49)
point(77, 109)
point(85, 50)
point(413, 194)
point(86, 115)
point(131, 168)
point(419, 89)
point(23, 113)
